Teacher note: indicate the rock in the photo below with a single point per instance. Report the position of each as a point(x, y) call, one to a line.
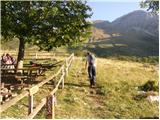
point(153, 98)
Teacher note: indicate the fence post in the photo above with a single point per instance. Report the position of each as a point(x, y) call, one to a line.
point(63, 73)
point(31, 91)
point(50, 103)
point(30, 109)
point(66, 69)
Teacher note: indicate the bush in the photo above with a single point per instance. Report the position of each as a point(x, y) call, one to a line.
point(150, 86)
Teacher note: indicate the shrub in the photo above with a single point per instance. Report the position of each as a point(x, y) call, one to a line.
point(150, 86)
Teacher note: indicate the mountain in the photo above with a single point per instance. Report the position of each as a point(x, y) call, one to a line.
point(99, 34)
point(135, 33)
point(136, 21)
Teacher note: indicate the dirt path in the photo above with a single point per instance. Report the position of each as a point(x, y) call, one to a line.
point(84, 101)
point(112, 97)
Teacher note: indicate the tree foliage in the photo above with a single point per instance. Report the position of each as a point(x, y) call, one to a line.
point(46, 24)
point(151, 5)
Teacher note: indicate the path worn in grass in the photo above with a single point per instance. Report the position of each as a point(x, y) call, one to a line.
point(117, 83)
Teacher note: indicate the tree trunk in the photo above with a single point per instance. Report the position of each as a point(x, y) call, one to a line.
point(20, 53)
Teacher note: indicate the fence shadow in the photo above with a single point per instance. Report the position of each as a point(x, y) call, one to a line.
point(76, 85)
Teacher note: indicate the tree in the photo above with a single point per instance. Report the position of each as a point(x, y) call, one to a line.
point(152, 5)
point(46, 24)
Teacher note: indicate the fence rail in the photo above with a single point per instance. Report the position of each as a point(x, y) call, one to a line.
point(50, 98)
point(36, 55)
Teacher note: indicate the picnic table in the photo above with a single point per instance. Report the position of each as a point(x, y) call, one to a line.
point(28, 72)
point(22, 73)
point(45, 66)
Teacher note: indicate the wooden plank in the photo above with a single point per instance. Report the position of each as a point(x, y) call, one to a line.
point(54, 91)
point(39, 58)
point(13, 101)
point(37, 109)
point(45, 81)
point(66, 68)
point(50, 104)
point(21, 76)
point(30, 104)
point(33, 90)
point(50, 78)
point(60, 80)
point(62, 83)
point(30, 68)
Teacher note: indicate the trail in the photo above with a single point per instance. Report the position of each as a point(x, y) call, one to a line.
point(112, 96)
point(79, 100)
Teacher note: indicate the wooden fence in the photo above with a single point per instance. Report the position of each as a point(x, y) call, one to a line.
point(49, 100)
point(36, 55)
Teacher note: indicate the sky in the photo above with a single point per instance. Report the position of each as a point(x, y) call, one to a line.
point(112, 9)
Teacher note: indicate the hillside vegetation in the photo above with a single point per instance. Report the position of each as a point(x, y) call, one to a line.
point(115, 93)
point(134, 34)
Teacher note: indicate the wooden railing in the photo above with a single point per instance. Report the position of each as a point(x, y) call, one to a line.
point(49, 100)
point(36, 55)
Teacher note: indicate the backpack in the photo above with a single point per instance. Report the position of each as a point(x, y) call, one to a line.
point(92, 59)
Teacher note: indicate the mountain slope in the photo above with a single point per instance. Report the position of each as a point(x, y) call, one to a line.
point(137, 32)
point(137, 20)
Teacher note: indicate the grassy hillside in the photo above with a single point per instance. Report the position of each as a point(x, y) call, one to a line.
point(99, 34)
point(124, 45)
point(114, 96)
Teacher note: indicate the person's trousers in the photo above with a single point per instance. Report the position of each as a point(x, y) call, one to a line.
point(92, 74)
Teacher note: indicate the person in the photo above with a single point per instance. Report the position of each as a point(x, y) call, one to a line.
point(3, 59)
point(8, 61)
point(34, 64)
point(91, 63)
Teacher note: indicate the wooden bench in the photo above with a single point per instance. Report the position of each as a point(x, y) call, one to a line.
point(24, 70)
point(29, 65)
point(23, 73)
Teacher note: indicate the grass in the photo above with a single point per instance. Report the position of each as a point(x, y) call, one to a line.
point(20, 109)
point(136, 52)
point(117, 83)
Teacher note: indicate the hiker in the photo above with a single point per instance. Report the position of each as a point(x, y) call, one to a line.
point(90, 62)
